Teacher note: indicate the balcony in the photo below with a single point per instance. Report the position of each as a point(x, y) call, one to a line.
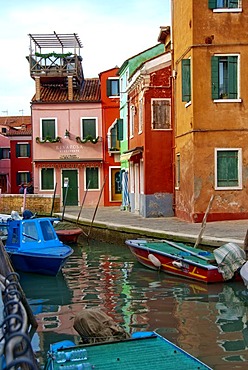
point(54, 68)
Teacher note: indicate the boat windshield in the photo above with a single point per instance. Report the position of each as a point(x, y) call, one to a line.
point(29, 232)
point(47, 230)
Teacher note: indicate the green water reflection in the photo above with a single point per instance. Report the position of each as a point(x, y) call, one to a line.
point(208, 321)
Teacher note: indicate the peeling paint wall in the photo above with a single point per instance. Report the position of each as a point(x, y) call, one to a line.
point(204, 124)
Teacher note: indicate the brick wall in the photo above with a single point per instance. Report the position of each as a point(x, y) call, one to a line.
point(40, 204)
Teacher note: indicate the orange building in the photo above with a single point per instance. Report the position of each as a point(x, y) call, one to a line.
point(210, 55)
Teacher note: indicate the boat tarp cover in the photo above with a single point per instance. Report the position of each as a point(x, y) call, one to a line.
point(94, 326)
point(229, 257)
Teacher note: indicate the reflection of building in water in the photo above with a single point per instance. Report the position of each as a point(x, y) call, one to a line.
point(232, 321)
point(221, 320)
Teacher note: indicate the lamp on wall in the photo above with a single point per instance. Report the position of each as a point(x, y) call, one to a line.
point(67, 134)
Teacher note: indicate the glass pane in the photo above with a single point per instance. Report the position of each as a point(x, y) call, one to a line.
point(114, 87)
point(23, 150)
point(23, 177)
point(30, 233)
point(47, 231)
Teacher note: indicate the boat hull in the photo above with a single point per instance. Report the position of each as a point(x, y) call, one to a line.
point(177, 264)
point(39, 263)
point(33, 246)
point(69, 236)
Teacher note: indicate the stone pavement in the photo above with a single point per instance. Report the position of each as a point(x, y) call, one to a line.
point(113, 218)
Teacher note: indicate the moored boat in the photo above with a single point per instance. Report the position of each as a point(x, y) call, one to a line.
point(33, 246)
point(144, 350)
point(186, 261)
point(69, 235)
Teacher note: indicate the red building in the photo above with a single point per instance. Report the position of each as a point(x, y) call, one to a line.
point(112, 131)
point(18, 134)
point(151, 138)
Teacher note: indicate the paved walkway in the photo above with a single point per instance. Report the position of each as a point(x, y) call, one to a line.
point(215, 233)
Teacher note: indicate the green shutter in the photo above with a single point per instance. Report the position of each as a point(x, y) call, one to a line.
point(120, 129)
point(48, 128)
point(17, 150)
point(89, 128)
point(233, 3)
point(232, 77)
point(212, 4)
point(227, 168)
point(18, 178)
point(92, 176)
point(215, 77)
point(186, 80)
point(47, 179)
point(108, 88)
point(1, 153)
point(28, 150)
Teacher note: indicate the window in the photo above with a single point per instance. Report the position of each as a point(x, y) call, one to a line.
point(115, 134)
point(92, 178)
point(161, 114)
point(23, 178)
point(23, 150)
point(225, 77)
point(177, 170)
point(29, 232)
point(4, 153)
point(224, 4)
point(186, 80)
point(140, 115)
point(48, 128)
point(228, 169)
point(4, 130)
point(47, 179)
point(131, 120)
point(47, 230)
point(113, 87)
point(89, 128)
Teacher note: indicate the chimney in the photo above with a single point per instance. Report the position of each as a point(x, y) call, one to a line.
point(37, 88)
point(70, 88)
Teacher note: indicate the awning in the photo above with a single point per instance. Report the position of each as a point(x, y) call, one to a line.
point(125, 156)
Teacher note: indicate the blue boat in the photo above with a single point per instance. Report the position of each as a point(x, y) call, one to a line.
point(145, 350)
point(33, 246)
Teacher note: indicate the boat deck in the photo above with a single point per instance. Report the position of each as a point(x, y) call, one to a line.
point(136, 354)
point(190, 253)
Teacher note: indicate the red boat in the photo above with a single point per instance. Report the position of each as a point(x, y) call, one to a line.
point(69, 235)
point(186, 261)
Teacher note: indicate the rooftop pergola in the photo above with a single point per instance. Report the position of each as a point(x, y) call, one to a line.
point(55, 41)
point(53, 67)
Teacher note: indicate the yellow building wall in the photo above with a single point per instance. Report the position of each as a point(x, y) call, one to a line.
point(200, 127)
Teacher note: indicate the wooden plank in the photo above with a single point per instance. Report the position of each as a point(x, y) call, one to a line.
point(204, 222)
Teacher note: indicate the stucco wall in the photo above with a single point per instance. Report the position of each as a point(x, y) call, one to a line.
point(205, 124)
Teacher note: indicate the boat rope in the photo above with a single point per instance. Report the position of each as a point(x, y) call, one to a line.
point(14, 327)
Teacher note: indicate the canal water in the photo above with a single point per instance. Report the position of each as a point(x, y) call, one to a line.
point(207, 321)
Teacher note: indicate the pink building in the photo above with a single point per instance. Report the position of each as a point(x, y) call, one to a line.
point(67, 122)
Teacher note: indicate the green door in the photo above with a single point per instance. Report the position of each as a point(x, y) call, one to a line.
point(70, 187)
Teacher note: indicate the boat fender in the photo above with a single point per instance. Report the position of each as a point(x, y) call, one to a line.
point(154, 260)
point(177, 264)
